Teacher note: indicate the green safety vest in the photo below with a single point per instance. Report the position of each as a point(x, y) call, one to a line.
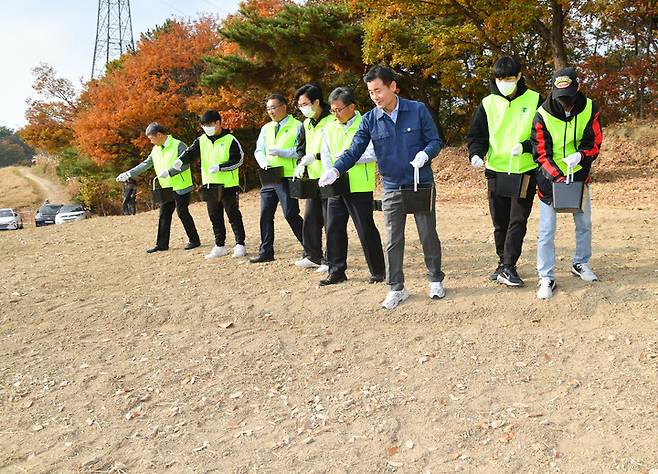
point(314, 143)
point(565, 135)
point(285, 139)
point(509, 123)
point(215, 154)
point(339, 139)
point(163, 159)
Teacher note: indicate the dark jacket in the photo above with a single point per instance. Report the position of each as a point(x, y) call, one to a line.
point(301, 135)
point(542, 143)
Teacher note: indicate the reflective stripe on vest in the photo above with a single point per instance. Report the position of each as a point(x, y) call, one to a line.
point(215, 154)
point(163, 159)
point(339, 139)
point(314, 143)
point(509, 123)
point(566, 136)
point(285, 139)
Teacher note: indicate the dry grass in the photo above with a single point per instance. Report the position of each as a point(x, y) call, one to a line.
point(19, 192)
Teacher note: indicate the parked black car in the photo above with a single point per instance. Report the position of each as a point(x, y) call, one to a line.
point(46, 214)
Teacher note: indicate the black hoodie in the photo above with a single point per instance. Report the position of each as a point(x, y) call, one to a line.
point(542, 143)
point(478, 132)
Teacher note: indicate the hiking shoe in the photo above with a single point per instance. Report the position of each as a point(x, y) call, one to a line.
point(216, 252)
point(239, 251)
point(494, 275)
point(583, 271)
point(436, 290)
point(306, 263)
point(546, 288)
point(509, 277)
point(394, 298)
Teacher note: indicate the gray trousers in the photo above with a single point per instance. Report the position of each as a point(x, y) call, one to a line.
point(395, 220)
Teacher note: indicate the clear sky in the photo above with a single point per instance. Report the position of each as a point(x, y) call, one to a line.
point(62, 34)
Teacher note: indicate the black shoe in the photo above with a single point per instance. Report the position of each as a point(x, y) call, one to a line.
point(333, 279)
point(376, 279)
point(156, 249)
point(261, 259)
point(192, 245)
point(494, 275)
point(509, 277)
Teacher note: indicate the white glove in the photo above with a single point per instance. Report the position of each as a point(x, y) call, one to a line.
point(307, 160)
point(214, 169)
point(573, 159)
point(276, 152)
point(477, 162)
point(178, 164)
point(329, 177)
point(516, 150)
point(299, 171)
point(164, 174)
point(123, 177)
point(420, 159)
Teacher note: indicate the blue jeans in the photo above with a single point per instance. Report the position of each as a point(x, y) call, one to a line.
point(546, 240)
point(270, 197)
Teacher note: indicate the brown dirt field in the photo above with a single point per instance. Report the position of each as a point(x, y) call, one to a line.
point(112, 360)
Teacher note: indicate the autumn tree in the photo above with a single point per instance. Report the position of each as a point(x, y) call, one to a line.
point(50, 116)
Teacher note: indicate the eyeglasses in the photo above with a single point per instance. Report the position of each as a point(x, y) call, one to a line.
point(337, 111)
point(307, 104)
point(273, 108)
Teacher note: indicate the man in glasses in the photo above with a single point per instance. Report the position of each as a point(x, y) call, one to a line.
point(277, 147)
point(358, 203)
point(311, 104)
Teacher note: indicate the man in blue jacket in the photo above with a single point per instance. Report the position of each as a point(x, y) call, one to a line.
point(405, 139)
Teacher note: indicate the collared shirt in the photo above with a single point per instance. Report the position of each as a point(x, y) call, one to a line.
point(261, 146)
point(396, 143)
point(394, 112)
point(325, 152)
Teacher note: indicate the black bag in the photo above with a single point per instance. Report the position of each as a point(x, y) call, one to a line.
point(512, 185)
point(161, 195)
point(270, 175)
point(377, 205)
point(339, 187)
point(211, 193)
point(569, 196)
point(417, 198)
point(304, 188)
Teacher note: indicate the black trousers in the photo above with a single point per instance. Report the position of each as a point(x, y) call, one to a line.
point(270, 198)
point(359, 207)
point(181, 203)
point(510, 220)
point(231, 204)
point(315, 211)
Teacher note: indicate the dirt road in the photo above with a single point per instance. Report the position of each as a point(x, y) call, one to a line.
point(112, 360)
point(50, 190)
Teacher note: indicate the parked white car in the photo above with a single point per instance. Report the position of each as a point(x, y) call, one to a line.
point(10, 219)
point(70, 213)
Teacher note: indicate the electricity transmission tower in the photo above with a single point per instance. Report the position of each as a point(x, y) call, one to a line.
point(114, 33)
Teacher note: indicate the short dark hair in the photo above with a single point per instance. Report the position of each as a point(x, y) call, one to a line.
point(153, 128)
point(279, 97)
point(210, 116)
point(312, 91)
point(344, 94)
point(506, 66)
point(384, 73)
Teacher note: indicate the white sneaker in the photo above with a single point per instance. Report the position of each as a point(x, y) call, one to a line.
point(306, 263)
point(546, 288)
point(583, 271)
point(216, 252)
point(436, 290)
point(323, 269)
point(394, 298)
point(239, 251)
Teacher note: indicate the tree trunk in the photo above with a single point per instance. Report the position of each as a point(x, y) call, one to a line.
point(557, 36)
